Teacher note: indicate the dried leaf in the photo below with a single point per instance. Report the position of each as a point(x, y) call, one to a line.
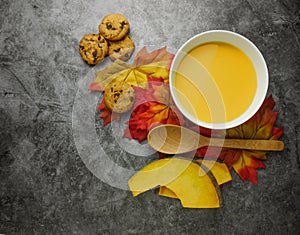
point(245, 162)
point(153, 106)
point(154, 64)
point(246, 167)
point(106, 114)
point(228, 156)
point(116, 69)
point(146, 95)
point(260, 126)
point(147, 116)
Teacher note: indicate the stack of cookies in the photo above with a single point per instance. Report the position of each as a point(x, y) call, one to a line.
point(112, 40)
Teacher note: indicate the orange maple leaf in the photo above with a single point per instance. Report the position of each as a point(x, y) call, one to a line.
point(153, 108)
point(245, 162)
point(260, 126)
point(246, 167)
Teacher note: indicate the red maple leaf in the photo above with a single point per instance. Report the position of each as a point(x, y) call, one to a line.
point(106, 115)
point(153, 106)
point(245, 162)
point(260, 126)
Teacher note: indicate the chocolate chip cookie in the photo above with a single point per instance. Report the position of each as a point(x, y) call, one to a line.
point(114, 27)
point(119, 96)
point(93, 48)
point(122, 49)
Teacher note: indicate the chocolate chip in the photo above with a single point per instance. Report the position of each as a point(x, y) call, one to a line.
point(117, 50)
point(95, 54)
point(123, 23)
point(126, 55)
point(108, 26)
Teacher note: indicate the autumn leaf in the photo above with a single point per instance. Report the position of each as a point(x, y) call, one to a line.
point(260, 126)
point(154, 64)
point(147, 116)
point(117, 69)
point(246, 167)
point(228, 156)
point(153, 106)
point(157, 91)
point(245, 162)
point(106, 114)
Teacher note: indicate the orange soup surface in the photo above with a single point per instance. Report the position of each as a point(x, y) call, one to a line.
point(215, 82)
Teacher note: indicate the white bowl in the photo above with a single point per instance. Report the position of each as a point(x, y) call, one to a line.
point(245, 46)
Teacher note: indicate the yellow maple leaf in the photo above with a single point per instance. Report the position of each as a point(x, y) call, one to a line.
point(155, 64)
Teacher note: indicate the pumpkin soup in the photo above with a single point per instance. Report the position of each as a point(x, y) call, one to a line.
point(215, 82)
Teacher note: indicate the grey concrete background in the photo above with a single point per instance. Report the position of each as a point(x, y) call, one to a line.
point(45, 187)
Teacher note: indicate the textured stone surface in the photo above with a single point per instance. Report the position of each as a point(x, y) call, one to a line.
point(46, 186)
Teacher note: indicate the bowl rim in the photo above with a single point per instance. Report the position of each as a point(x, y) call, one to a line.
point(262, 75)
